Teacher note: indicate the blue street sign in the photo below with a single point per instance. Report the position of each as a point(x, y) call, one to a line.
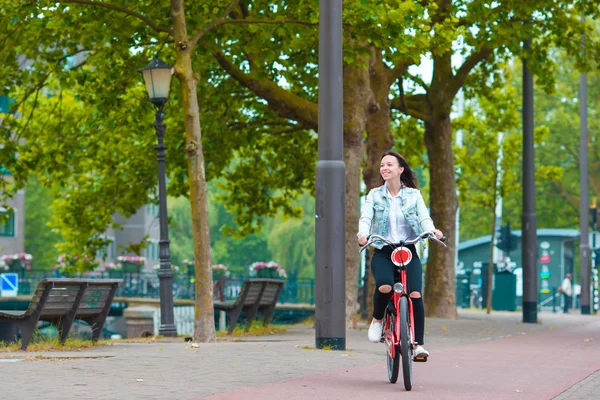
point(9, 284)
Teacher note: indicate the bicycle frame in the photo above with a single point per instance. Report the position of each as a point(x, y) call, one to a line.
point(402, 324)
point(397, 316)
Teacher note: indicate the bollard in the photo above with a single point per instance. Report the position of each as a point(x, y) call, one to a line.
point(222, 321)
point(554, 300)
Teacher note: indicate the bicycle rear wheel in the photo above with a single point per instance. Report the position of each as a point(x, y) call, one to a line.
point(393, 363)
point(405, 343)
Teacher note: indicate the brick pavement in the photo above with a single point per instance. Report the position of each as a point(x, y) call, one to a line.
point(175, 370)
point(589, 389)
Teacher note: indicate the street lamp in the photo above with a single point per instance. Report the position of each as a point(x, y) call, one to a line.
point(157, 76)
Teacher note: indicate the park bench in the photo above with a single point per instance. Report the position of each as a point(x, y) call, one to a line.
point(61, 301)
point(256, 295)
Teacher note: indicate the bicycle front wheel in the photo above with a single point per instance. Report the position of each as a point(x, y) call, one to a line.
point(405, 343)
point(393, 363)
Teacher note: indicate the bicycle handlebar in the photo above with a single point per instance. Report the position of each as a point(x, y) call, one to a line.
point(425, 235)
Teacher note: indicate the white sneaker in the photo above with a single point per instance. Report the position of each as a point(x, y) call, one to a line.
point(375, 331)
point(420, 354)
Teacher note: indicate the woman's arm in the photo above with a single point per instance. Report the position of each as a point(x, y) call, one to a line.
point(366, 216)
point(423, 215)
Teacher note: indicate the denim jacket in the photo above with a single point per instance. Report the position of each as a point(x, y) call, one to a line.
point(374, 218)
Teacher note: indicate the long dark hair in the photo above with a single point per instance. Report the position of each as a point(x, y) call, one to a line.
point(408, 177)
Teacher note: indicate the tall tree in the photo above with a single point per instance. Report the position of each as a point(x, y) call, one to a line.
point(557, 148)
point(277, 63)
point(486, 161)
point(40, 239)
point(291, 240)
point(382, 41)
point(226, 247)
point(91, 137)
point(483, 34)
point(284, 74)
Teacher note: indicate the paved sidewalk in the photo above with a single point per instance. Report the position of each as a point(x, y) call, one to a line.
point(470, 356)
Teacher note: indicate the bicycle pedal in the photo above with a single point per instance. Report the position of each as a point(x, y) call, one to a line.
point(420, 359)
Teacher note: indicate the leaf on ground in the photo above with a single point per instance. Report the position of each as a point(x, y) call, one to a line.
point(139, 380)
point(588, 339)
point(444, 329)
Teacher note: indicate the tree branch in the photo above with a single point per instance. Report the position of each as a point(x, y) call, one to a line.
point(123, 10)
point(33, 107)
point(286, 104)
point(287, 131)
point(259, 123)
point(214, 23)
point(398, 71)
point(458, 80)
point(224, 21)
point(412, 105)
point(268, 21)
point(418, 80)
point(217, 23)
point(573, 200)
point(35, 88)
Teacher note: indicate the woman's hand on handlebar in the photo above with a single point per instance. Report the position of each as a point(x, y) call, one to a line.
point(438, 234)
point(363, 240)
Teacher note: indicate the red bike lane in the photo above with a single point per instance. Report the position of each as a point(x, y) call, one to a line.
point(533, 366)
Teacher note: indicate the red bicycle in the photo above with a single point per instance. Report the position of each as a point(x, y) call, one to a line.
point(398, 328)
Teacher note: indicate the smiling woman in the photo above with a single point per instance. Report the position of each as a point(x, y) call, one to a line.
point(396, 211)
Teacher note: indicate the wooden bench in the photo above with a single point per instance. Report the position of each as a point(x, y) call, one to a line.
point(61, 301)
point(256, 295)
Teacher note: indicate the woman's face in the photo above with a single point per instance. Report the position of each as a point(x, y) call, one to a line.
point(390, 169)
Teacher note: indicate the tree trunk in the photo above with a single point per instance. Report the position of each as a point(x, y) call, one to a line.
point(204, 325)
point(380, 140)
point(357, 102)
point(440, 286)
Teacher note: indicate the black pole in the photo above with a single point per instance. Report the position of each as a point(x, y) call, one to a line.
point(529, 228)
point(165, 274)
point(330, 226)
point(595, 259)
point(584, 212)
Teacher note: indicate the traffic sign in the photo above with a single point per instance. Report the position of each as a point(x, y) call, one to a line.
point(9, 285)
point(594, 240)
point(545, 259)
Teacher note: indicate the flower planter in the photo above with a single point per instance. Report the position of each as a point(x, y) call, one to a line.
point(218, 276)
point(115, 274)
point(131, 267)
point(268, 273)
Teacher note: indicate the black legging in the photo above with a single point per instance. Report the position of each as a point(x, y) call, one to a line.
point(383, 272)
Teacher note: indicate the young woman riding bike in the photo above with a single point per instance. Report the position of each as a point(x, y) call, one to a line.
point(396, 211)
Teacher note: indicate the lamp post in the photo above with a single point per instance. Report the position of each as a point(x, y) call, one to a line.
point(529, 219)
point(330, 223)
point(157, 76)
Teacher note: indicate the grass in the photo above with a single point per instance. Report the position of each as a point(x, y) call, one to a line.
point(52, 344)
point(42, 343)
point(327, 347)
point(256, 329)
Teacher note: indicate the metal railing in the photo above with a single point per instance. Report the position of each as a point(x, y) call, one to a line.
point(147, 285)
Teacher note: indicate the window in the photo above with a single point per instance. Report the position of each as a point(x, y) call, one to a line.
point(5, 103)
point(7, 223)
